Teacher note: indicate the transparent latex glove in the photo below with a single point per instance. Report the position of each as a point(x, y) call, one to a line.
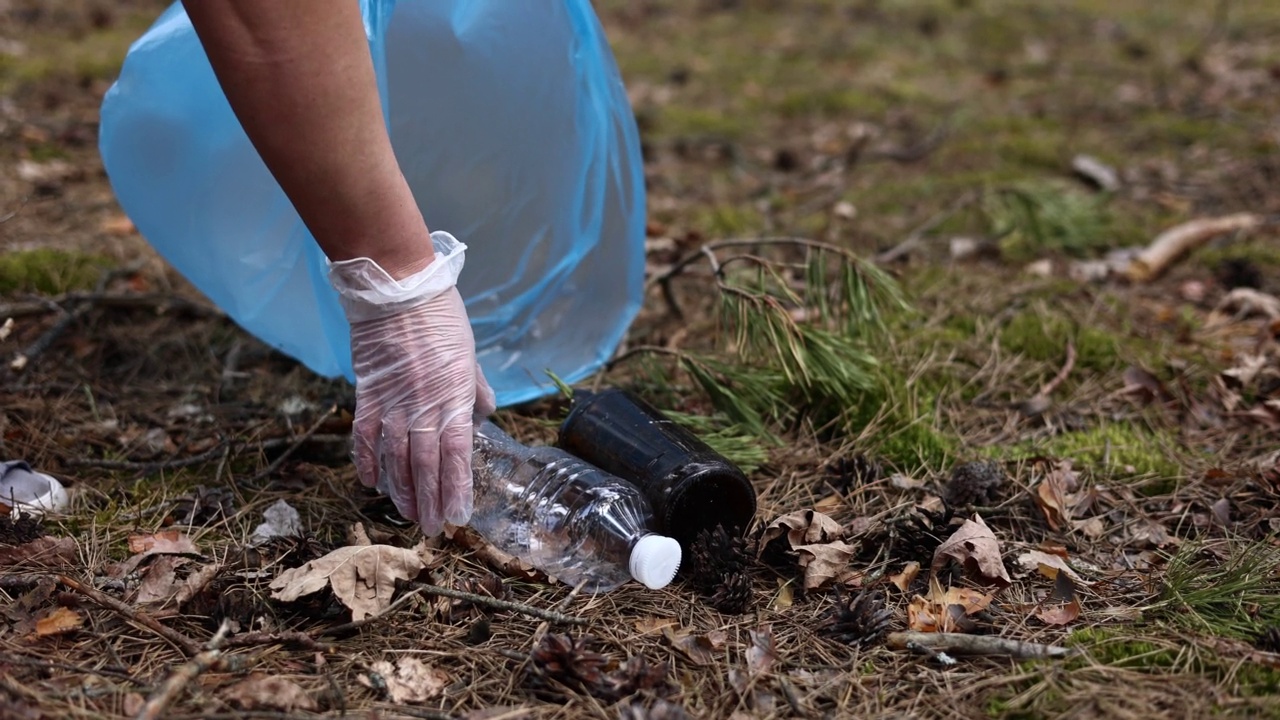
point(418, 386)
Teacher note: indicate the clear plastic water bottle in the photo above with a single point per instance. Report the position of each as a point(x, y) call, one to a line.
point(566, 517)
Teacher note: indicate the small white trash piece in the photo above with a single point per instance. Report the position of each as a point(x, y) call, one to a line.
point(26, 490)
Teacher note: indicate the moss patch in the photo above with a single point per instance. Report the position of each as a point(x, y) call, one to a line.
point(1041, 334)
point(49, 271)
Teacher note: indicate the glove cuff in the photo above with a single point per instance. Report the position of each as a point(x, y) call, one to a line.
point(367, 292)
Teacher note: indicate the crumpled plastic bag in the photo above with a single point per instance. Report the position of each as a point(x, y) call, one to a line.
point(24, 489)
point(512, 125)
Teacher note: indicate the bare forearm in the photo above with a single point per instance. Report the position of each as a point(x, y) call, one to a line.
point(300, 78)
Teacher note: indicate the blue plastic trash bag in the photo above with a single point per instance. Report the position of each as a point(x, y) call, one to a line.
point(510, 122)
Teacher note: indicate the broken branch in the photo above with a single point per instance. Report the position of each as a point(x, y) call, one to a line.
point(961, 644)
point(156, 704)
point(1181, 239)
point(138, 617)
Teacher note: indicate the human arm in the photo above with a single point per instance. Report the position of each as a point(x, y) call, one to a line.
point(300, 78)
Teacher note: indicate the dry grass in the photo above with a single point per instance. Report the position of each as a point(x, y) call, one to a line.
point(759, 117)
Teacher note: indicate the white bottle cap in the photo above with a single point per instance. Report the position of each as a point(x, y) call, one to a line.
point(655, 560)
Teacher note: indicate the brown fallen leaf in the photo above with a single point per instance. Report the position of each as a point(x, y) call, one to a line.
point(1048, 565)
point(165, 541)
point(903, 580)
point(262, 691)
point(700, 649)
point(946, 610)
point(785, 597)
point(1053, 494)
point(145, 547)
point(409, 680)
point(762, 654)
point(1063, 606)
point(59, 620)
point(363, 577)
point(805, 527)
point(1062, 614)
point(160, 582)
point(652, 624)
point(42, 552)
point(485, 551)
point(825, 563)
point(975, 547)
point(196, 582)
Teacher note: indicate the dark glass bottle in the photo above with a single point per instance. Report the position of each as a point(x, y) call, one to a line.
point(690, 486)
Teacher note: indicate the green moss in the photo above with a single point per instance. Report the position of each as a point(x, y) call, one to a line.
point(691, 121)
point(1122, 649)
point(1118, 450)
point(728, 220)
point(48, 271)
point(1041, 334)
point(44, 152)
point(836, 102)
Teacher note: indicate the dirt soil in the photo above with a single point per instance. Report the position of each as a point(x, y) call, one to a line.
point(1052, 453)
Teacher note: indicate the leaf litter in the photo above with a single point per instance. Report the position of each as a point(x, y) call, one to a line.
point(1201, 349)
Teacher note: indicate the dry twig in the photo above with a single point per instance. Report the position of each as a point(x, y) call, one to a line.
point(1181, 239)
point(156, 704)
point(962, 644)
point(138, 617)
point(496, 604)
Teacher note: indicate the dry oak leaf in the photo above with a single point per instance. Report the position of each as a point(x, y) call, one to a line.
point(823, 563)
point(1053, 495)
point(805, 527)
point(975, 547)
point(762, 653)
point(946, 610)
point(260, 690)
point(362, 576)
point(1063, 606)
point(160, 583)
point(700, 649)
point(59, 620)
point(1048, 565)
point(409, 680)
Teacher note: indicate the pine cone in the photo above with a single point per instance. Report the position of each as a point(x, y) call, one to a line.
point(974, 483)
point(921, 532)
point(1269, 640)
point(636, 675)
point(848, 473)
point(720, 567)
point(569, 662)
point(862, 622)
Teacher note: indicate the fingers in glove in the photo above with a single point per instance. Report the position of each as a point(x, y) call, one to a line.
point(366, 430)
point(486, 401)
point(398, 474)
point(425, 450)
point(456, 446)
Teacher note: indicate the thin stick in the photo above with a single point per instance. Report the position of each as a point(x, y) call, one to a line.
point(1181, 239)
point(296, 639)
point(1067, 365)
point(497, 604)
point(961, 644)
point(912, 241)
point(310, 433)
point(357, 624)
point(156, 704)
point(188, 646)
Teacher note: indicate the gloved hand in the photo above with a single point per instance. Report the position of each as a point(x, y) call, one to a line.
point(418, 386)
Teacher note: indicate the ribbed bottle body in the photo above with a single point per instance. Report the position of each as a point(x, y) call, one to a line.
point(558, 513)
